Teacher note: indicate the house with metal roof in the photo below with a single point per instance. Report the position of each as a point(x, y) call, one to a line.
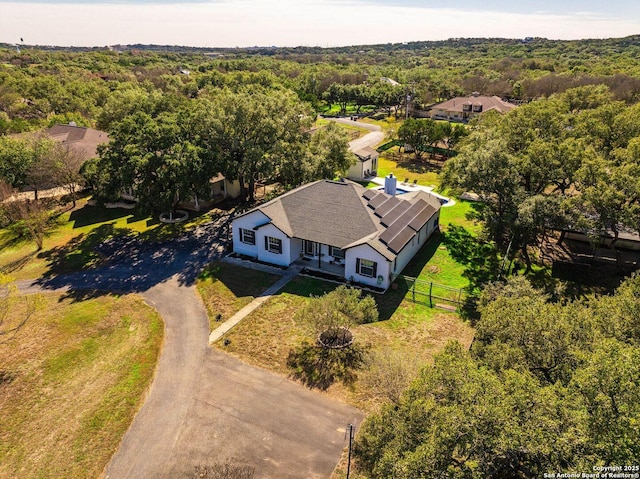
point(365, 236)
point(462, 109)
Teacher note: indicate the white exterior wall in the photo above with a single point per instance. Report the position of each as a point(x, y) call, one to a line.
point(282, 259)
point(248, 221)
point(295, 248)
point(356, 170)
point(233, 188)
point(413, 246)
point(367, 252)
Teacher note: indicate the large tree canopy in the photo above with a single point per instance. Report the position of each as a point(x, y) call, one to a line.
point(545, 387)
point(553, 163)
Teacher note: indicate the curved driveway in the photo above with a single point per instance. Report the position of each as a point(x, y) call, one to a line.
point(203, 406)
point(371, 139)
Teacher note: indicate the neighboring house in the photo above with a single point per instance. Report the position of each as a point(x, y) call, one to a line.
point(366, 164)
point(365, 236)
point(462, 109)
point(81, 140)
point(627, 239)
point(224, 188)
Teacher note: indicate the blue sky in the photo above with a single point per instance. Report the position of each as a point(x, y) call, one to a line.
point(228, 23)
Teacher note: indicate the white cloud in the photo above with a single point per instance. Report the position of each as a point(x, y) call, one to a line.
point(283, 23)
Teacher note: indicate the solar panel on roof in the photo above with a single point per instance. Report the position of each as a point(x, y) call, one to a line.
point(378, 200)
point(369, 194)
point(401, 239)
point(422, 218)
point(405, 218)
point(395, 213)
point(387, 206)
point(390, 233)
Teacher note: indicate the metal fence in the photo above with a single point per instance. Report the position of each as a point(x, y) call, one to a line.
point(434, 295)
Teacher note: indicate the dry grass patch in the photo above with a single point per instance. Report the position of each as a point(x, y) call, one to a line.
point(266, 336)
point(78, 372)
point(225, 289)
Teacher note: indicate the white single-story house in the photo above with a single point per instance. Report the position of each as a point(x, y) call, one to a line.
point(366, 164)
point(366, 236)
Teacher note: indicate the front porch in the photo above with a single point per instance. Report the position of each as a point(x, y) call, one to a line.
point(312, 264)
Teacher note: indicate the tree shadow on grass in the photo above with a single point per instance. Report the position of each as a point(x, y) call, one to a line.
point(17, 264)
point(83, 251)
point(479, 257)
point(318, 367)
point(90, 215)
point(110, 259)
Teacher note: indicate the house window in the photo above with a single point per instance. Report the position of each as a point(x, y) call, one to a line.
point(247, 236)
point(366, 267)
point(273, 245)
point(337, 253)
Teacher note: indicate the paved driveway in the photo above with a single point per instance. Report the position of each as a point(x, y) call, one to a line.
point(203, 406)
point(372, 139)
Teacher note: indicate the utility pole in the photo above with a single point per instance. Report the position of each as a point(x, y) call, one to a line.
point(350, 432)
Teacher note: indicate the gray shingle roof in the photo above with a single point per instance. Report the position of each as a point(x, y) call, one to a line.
point(337, 213)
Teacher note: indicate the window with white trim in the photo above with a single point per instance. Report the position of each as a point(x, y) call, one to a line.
point(336, 252)
point(366, 267)
point(273, 245)
point(247, 236)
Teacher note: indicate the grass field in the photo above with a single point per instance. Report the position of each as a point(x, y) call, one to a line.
point(71, 381)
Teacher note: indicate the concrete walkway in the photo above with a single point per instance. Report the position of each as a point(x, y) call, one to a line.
point(221, 330)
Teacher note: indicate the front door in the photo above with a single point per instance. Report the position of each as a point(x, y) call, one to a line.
point(310, 248)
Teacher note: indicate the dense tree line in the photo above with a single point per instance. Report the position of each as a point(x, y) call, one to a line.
point(39, 87)
point(546, 387)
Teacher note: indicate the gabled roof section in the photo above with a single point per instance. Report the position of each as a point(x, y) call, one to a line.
point(366, 153)
point(487, 103)
point(329, 212)
point(344, 214)
point(82, 140)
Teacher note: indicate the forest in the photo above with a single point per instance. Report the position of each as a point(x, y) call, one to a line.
point(552, 380)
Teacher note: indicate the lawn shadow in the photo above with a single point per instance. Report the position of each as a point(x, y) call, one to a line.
point(90, 215)
point(81, 252)
point(116, 260)
point(480, 258)
point(318, 367)
point(17, 264)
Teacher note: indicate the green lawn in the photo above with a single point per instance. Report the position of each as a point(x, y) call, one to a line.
point(71, 381)
point(424, 177)
point(226, 289)
point(70, 243)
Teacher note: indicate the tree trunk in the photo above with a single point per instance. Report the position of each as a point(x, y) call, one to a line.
point(243, 190)
point(527, 259)
point(252, 188)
